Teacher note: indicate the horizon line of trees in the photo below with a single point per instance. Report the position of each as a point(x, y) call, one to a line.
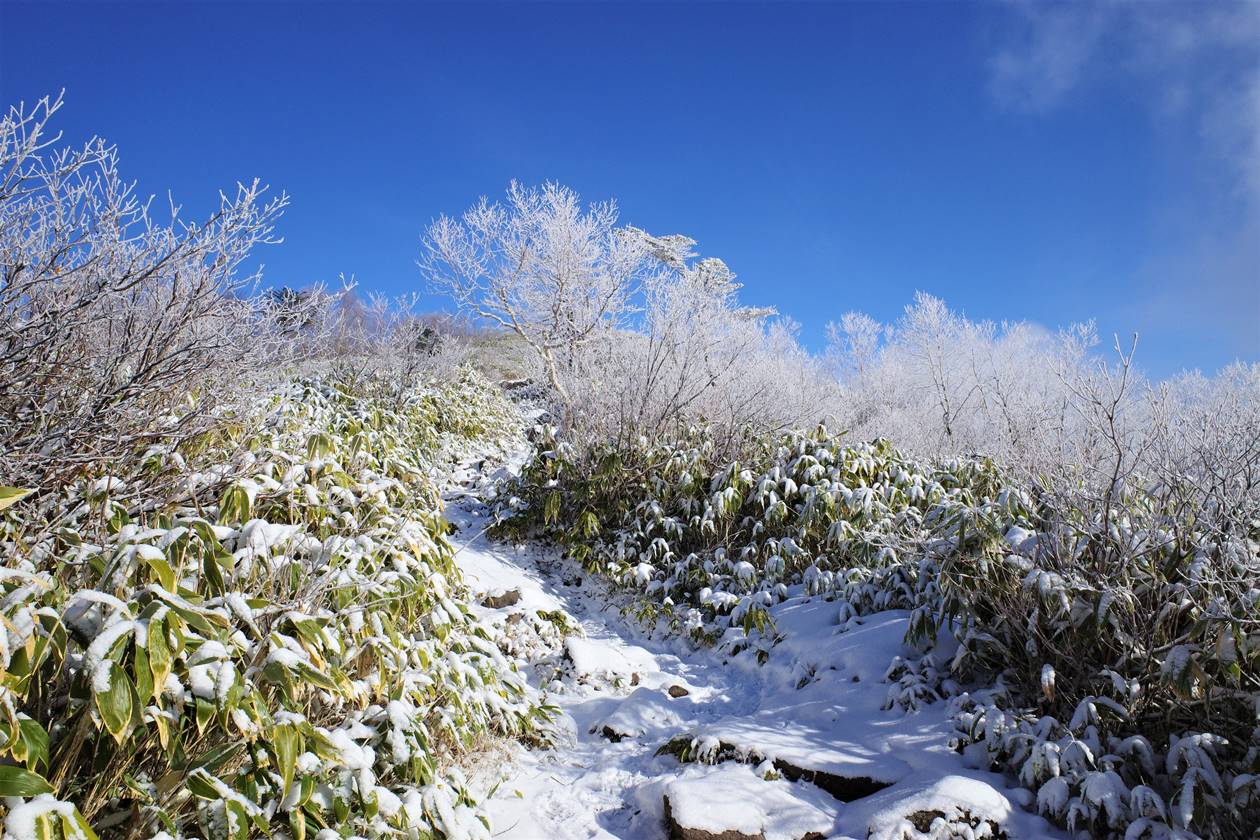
point(122, 329)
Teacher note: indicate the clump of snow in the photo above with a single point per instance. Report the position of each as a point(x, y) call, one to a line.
point(23, 819)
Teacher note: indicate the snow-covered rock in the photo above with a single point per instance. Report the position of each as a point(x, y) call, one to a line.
point(733, 803)
point(941, 808)
point(502, 599)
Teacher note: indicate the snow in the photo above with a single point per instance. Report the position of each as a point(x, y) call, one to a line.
point(885, 813)
point(351, 755)
point(22, 821)
point(202, 680)
point(816, 704)
point(594, 660)
point(287, 658)
point(102, 676)
point(100, 647)
point(734, 797)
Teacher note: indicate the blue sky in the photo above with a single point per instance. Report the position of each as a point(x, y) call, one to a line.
point(1051, 163)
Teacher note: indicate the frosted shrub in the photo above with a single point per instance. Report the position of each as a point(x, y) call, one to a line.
point(381, 343)
point(940, 385)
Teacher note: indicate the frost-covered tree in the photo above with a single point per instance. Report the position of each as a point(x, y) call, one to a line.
point(111, 315)
point(853, 343)
point(940, 384)
point(541, 265)
point(634, 333)
point(685, 353)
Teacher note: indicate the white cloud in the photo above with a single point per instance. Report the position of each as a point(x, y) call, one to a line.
point(1194, 64)
point(1194, 61)
point(1046, 54)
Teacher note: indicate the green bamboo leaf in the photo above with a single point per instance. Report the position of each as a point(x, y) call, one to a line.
point(35, 742)
point(159, 655)
point(287, 743)
point(75, 825)
point(144, 677)
point(18, 781)
point(165, 574)
point(205, 713)
point(297, 822)
point(12, 495)
point(115, 703)
point(215, 759)
point(317, 678)
point(200, 785)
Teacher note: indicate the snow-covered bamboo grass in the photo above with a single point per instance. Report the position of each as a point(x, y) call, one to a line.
point(1104, 650)
point(282, 647)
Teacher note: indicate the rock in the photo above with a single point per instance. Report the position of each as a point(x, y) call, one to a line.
point(498, 601)
point(677, 691)
point(844, 788)
point(962, 824)
point(596, 664)
point(949, 807)
point(736, 802)
point(922, 820)
point(642, 710)
point(682, 832)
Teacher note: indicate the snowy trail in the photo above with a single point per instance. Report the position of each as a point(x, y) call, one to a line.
point(814, 709)
point(584, 789)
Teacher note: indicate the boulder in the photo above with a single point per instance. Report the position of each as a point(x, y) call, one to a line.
point(678, 831)
point(951, 806)
point(845, 788)
point(499, 600)
point(645, 709)
point(735, 802)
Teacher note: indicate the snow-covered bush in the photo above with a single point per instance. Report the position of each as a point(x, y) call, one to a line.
point(1125, 634)
point(711, 543)
point(1109, 638)
point(260, 632)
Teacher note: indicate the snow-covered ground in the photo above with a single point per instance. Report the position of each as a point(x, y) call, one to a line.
point(812, 711)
